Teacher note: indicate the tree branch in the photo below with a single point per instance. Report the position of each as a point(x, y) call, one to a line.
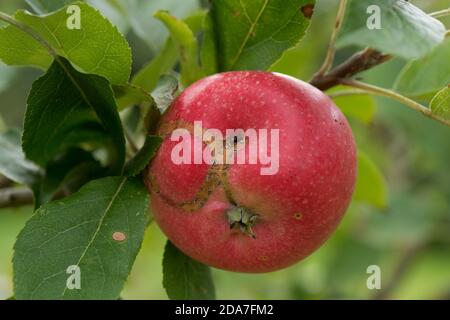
point(359, 62)
point(15, 197)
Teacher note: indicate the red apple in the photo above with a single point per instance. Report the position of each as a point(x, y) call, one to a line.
point(232, 216)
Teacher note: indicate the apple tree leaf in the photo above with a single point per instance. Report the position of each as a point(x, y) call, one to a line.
point(142, 21)
point(97, 47)
point(253, 34)
point(427, 75)
point(187, 45)
point(143, 157)
point(398, 28)
point(97, 231)
point(147, 78)
point(208, 53)
point(63, 105)
point(130, 95)
point(440, 105)
point(69, 172)
point(185, 278)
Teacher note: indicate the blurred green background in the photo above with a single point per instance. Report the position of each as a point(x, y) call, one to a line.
point(409, 240)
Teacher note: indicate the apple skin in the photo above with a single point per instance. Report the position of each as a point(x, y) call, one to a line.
point(298, 208)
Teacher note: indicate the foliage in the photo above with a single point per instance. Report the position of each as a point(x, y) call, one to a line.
point(254, 34)
point(427, 75)
point(96, 48)
point(81, 231)
point(402, 22)
point(440, 104)
point(80, 144)
point(185, 278)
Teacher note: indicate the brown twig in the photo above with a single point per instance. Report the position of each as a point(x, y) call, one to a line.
point(359, 62)
point(23, 196)
point(15, 197)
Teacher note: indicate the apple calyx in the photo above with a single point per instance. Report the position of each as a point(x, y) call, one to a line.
point(242, 219)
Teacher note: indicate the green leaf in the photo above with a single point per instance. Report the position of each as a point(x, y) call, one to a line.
point(143, 157)
point(17, 48)
point(96, 48)
point(13, 164)
point(208, 53)
point(130, 95)
point(47, 6)
point(152, 118)
point(187, 45)
point(406, 31)
point(253, 34)
point(147, 78)
point(359, 106)
point(370, 186)
point(427, 75)
point(99, 229)
point(70, 171)
point(59, 104)
point(185, 278)
point(150, 29)
point(440, 105)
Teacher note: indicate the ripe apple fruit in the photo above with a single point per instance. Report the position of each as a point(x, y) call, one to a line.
point(231, 216)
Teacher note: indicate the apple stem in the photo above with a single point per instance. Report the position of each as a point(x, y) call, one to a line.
point(440, 14)
point(242, 219)
point(374, 90)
